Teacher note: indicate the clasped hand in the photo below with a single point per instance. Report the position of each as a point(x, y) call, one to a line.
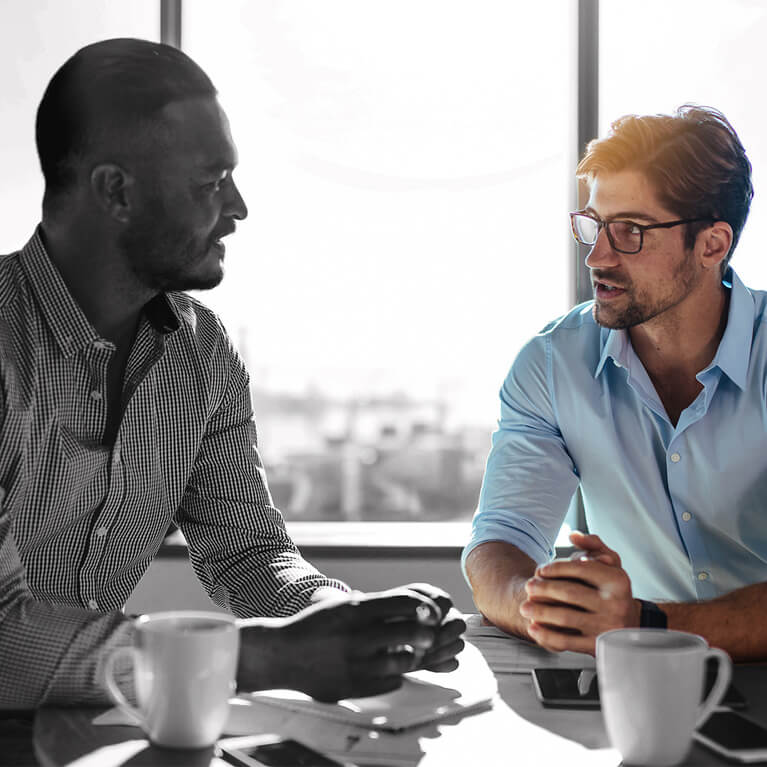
point(354, 645)
point(571, 601)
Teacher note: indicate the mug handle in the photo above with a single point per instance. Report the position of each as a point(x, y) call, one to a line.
point(115, 693)
point(723, 676)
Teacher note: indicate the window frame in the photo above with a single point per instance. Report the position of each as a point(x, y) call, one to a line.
point(446, 539)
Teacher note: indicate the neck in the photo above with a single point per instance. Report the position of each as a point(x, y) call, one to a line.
point(96, 275)
point(684, 340)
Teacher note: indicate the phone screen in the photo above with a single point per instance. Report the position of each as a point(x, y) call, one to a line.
point(734, 732)
point(579, 688)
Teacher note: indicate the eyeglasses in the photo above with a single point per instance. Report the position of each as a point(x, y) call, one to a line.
point(624, 236)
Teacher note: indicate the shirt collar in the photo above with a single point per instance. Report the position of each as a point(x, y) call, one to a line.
point(66, 320)
point(615, 346)
point(732, 355)
point(734, 352)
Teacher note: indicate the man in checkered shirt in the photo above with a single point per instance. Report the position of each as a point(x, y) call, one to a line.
point(124, 407)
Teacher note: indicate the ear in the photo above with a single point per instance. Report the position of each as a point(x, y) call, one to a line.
point(111, 187)
point(714, 244)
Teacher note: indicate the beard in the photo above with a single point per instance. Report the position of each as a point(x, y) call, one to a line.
point(165, 256)
point(643, 306)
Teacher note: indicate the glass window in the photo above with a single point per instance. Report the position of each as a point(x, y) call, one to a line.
point(36, 38)
point(659, 55)
point(407, 167)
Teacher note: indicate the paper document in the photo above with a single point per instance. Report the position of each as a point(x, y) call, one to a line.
point(508, 654)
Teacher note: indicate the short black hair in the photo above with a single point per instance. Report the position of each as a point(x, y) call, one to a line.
point(106, 96)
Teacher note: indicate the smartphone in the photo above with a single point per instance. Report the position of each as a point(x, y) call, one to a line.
point(734, 736)
point(273, 751)
point(578, 688)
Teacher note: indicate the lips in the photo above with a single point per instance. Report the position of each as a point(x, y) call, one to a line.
point(218, 236)
point(605, 292)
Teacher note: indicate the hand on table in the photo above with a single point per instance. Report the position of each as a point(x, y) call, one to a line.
point(351, 645)
point(571, 601)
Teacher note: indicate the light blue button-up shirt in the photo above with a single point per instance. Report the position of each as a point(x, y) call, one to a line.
point(685, 506)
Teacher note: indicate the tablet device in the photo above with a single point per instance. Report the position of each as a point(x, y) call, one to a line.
point(578, 688)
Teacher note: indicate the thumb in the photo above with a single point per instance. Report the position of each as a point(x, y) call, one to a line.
point(595, 547)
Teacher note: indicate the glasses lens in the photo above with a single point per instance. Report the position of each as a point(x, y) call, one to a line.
point(626, 236)
point(585, 229)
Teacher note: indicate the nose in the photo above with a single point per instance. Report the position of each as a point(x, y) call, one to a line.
point(602, 253)
point(235, 206)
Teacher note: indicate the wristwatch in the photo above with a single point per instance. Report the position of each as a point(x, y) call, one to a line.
point(651, 616)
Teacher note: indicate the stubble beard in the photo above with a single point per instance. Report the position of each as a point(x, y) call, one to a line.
point(164, 259)
point(642, 309)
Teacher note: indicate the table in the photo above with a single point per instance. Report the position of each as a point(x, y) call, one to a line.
point(515, 730)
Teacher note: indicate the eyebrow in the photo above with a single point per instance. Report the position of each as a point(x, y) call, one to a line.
point(625, 214)
point(218, 166)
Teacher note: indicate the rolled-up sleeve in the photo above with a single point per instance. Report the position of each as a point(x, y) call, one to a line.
point(238, 544)
point(529, 477)
point(49, 654)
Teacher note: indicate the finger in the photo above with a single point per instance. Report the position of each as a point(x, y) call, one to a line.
point(397, 604)
point(556, 641)
point(590, 571)
point(564, 591)
point(595, 546)
point(440, 597)
point(376, 639)
point(385, 664)
point(558, 616)
point(453, 625)
point(443, 667)
point(442, 656)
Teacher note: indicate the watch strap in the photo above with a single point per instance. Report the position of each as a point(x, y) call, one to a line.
point(651, 616)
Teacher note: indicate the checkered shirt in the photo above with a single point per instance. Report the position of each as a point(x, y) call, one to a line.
point(80, 521)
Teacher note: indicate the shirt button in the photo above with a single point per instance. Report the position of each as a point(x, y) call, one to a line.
point(96, 395)
point(93, 604)
point(686, 516)
point(675, 457)
point(101, 532)
point(703, 576)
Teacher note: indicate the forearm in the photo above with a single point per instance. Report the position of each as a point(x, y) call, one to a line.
point(53, 654)
point(734, 622)
point(263, 574)
point(498, 572)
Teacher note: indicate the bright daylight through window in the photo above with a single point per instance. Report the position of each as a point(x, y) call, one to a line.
point(407, 167)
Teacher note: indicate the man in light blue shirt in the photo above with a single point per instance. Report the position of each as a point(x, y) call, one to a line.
point(653, 399)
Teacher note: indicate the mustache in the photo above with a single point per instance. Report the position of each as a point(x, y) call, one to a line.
point(610, 278)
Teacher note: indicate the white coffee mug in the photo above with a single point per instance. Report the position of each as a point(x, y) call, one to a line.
point(651, 682)
point(184, 667)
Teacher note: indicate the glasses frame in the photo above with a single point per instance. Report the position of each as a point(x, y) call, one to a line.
point(601, 224)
